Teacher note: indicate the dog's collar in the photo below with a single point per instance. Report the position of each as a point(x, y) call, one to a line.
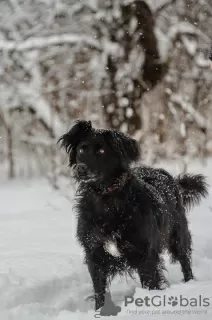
point(119, 184)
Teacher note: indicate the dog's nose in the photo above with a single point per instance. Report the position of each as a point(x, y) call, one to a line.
point(81, 169)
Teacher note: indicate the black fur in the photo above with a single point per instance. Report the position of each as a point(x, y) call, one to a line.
point(193, 188)
point(142, 210)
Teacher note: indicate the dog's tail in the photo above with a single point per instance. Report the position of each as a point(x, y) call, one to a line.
point(193, 188)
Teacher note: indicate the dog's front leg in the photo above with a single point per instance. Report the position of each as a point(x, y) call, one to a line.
point(99, 279)
point(150, 272)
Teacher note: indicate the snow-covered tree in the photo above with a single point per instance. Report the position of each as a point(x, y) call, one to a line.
point(139, 66)
point(132, 61)
point(45, 81)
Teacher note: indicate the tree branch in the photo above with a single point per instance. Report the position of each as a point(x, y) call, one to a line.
point(188, 108)
point(36, 43)
point(163, 7)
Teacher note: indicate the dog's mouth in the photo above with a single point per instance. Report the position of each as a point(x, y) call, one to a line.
point(88, 178)
point(84, 176)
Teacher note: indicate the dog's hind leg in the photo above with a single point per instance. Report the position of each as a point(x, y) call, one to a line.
point(180, 248)
point(185, 261)
point(151, 272)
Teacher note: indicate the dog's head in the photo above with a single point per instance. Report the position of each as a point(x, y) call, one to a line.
point(97, 154)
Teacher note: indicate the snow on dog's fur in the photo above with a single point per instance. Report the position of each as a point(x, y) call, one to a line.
point(111, 247)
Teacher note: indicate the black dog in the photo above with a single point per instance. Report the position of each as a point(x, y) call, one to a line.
point(127, 217)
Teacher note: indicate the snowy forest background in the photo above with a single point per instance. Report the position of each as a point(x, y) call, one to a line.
point(138, 66)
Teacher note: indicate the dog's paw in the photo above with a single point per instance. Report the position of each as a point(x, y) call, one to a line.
point(189, 278)
point(111, 247)
point(110, 310)
point(164, 285)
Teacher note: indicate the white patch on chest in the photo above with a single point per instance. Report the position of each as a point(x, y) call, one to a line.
point(111, 247)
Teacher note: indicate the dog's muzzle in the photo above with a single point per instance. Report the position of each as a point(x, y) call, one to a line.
point(82, 173)
point(81, 170)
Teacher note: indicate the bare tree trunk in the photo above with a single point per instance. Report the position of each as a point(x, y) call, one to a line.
point(54, 108)
point(122, 102)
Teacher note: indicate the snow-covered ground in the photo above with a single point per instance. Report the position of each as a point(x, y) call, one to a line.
point(42, 275)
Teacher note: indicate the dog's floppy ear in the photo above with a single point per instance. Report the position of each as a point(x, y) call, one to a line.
point(70, 140)
point(125, 146)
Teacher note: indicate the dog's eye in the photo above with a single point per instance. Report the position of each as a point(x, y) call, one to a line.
point(82, 148)
point(101, 151)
